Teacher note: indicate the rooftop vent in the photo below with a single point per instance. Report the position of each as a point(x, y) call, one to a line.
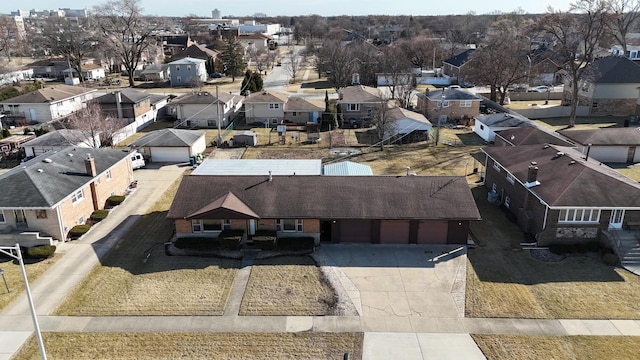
point(47, 160)
point(572, 162)
point(70, 155)
point(546, 146)
point(559, 154)
point(40, 170)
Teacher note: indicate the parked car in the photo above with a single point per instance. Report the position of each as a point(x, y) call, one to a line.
point(540, 88)
point(279, 63)
point(216, 75)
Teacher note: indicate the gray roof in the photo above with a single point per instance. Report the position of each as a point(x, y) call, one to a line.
point(450, 94)
point(187, 61)
point(169, 138)
point(259, 167)
point(503, 120)
point(568, 180)
point(614, 70)
point(346, 168)
point(204, 97)
point(331, 197)
point(42, 184)
point(300, 104)
point(127, 95)
point(360, 94)
point(62, 137)
point(530, 135)
point(604, 136)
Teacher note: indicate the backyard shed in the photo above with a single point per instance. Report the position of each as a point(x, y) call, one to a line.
point(246, 137)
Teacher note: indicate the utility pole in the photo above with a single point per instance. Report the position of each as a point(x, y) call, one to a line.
point(219, 141)
point(439, 117)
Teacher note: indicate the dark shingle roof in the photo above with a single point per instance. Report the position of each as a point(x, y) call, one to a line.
point(503, 120)
point(530, 135)
point(296, 103)
point(40, 184)
point(615, 70)
point(203, 97)
point(266, 97)
point(49, 94)
point(169, 138)
point(332, 197)
point(605, 136)
point(450, 94)
point(459, 59)
point(563, 183)
point(62, 137)
point(128, 96)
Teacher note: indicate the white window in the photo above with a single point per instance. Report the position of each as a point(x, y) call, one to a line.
point(496, 165)
point(2, 219)
point(353, 107)
point(196, 226)
point(579, 216)
point(443, 103)
point(465, 103)
point(507, 202)
point(210, 225)
point(289, 225)
point(510, 179)
point(77, 196)
point(81, 220)
point(274, 106)
point(108, 175)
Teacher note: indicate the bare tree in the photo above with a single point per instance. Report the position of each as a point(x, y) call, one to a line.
point(126, 33)
point(625, 17)
point(70, 40)
point(502, 60)
point(294, 63)
point(576, 36)
point(337, 62)
point(385, 125)
point(396, 68)
point(422, 50)
point(93, 127)
point(9, 36)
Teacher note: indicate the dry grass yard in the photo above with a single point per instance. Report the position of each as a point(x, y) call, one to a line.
point(496, 347)
point(13, 276)
point(224, 346)
point(594, 122)
point(504, 281)
point(291, 285)
point(123, 284)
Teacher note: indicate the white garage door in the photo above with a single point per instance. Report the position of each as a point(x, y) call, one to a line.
point(166, 154)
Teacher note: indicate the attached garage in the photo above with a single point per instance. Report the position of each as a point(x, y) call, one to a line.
point(170, 155)
point(353, 231)
point(394, 231)
point(432, 232)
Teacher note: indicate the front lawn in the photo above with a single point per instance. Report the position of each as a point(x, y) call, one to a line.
point(505, 281)
point(227, 346)
point(13, 276)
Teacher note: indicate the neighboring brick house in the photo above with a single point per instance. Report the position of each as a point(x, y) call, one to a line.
point(265, 107)
point(49, 103)
point(369, 209)
point(448, 104)
point(46, 196)
point(255, 42)
point(200, 109)
point(299, 110)
point(610, 87)
point(558, 196)
point(454, 66)
point(358, 102)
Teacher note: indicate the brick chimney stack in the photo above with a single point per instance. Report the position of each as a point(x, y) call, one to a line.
point(532, 175)
point(90, 165)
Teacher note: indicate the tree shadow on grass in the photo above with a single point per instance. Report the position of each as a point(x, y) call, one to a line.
point(140, 250)
point(499, 257)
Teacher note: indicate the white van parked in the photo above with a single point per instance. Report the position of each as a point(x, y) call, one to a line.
point(137, 161)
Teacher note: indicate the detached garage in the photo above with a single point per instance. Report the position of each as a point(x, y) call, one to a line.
point(171, 145)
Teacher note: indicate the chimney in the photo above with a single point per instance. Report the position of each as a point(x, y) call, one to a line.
point(532, 175)
point(90, 165)
point(270, 177)
point(408, 169)
point(119, 104)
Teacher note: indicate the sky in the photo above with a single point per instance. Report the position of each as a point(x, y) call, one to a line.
point(305, 7)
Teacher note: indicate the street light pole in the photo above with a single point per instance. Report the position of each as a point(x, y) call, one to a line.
point(18, 256)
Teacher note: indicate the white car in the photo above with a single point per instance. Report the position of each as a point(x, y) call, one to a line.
point(541, 88)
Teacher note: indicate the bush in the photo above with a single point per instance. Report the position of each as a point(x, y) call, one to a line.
point(231, 239)
point(115, 200)
point(265, 239)
point(78, 231)
point(99, 215)
point(610, 259)
point(562, 249)
point(197, 243)
point(295, 243)
point(40, 252)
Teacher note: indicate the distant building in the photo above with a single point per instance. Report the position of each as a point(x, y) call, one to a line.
point(216, 14)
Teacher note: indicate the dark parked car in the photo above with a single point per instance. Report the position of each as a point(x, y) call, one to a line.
point(216, 75)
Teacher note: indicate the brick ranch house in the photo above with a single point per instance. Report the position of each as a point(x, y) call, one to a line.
point(558, 196)
point(370, 209)
point(45, 197)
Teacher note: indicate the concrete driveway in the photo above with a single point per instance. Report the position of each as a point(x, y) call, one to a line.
point(402, 280)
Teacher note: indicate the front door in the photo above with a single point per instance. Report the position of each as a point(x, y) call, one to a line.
point(21, 221)
point(617, 216)
point(252, 227)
